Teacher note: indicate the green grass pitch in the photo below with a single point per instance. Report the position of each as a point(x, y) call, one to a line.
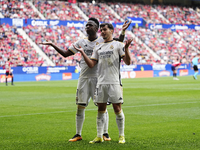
point(161, 114)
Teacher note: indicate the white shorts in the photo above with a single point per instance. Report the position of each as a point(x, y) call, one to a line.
point(85, 90)
point(108, 93)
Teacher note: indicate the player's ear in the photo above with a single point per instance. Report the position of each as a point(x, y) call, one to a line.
point(112, 31)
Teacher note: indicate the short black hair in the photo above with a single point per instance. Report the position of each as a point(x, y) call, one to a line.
point(95, 20)
point(110, 26)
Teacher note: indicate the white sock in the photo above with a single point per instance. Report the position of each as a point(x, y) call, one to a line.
point(100, 123)
point(80, 117)
point(106, 122)
point(120, 119)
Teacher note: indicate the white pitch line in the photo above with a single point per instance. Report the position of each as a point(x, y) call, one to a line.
point(96, 109)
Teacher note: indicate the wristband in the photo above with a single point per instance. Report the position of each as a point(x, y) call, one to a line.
point(123, 32)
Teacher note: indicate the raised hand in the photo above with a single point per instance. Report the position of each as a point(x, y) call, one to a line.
point(78, 49)
point(128, 42)
point(126, 25)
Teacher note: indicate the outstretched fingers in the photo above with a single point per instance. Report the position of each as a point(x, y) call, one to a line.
point(45, 43)
point(128, 42)
point(126, 25)
point(78, 49)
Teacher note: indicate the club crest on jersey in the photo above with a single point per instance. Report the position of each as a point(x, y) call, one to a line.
point(97, 43)
point(111, 47)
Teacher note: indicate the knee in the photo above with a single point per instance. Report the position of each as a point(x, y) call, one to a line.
point(101, 107)
point(117, 111)
point(117, 108)
point(80, 111)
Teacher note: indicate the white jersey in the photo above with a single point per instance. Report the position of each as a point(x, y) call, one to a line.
point(8, 66)
point(88, 47)
point(109, 57)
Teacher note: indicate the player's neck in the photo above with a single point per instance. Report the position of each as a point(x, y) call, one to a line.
point(108, 39)
point(92, 37)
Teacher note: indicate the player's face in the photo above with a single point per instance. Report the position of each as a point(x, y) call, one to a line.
point(106, 33)
point(91, 27)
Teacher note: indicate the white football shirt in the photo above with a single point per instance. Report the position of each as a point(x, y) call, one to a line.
point(109, 57)
point(88, 47)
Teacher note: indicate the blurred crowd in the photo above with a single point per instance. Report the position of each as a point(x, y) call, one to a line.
point(57, 10)
point(166, 44)
point(62, 36)
point(13, 45)
point(163, 43)
point(17, 9)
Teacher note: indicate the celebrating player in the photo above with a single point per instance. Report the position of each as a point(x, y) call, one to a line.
point(108, 57)
point(88, 76)
point(8, 71)
point(195, 62)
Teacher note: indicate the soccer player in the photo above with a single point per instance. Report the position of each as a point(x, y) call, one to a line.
point(175, 67)
point(8, 71)
point(108, 57)
point(195, 61)
point(88, 76)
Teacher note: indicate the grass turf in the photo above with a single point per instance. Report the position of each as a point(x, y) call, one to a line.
point(161, 114)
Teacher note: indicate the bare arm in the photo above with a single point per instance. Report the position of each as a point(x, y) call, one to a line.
point(127, 58)
point(64, 53)
point(89, 62)
point(122, 35)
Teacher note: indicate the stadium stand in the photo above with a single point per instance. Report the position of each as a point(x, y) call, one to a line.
point(147, 45)
point(179, 15)
point(165, 43)
point(17, 9)
point(137, 10)
point(58, 10)
point(61, 35)
point(16, 47)
point(100, 11)
point(191, 36)
point(139, 53)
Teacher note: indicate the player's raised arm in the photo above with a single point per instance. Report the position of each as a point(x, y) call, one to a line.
point(127, 58)
point(90, 63)
point(122, 35)
point(64, 53)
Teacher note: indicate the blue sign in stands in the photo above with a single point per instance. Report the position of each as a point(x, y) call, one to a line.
point(81, 24)
point(168, 66)
point(39, 70)
point(138, 21)
point(72, 69)
point(77, 24)
point(39, 22)
point(173, 27)
point(135, 68)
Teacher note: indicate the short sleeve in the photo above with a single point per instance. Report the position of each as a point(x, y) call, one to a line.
point(72, 49)
point(94, 55)
point(121, 49)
